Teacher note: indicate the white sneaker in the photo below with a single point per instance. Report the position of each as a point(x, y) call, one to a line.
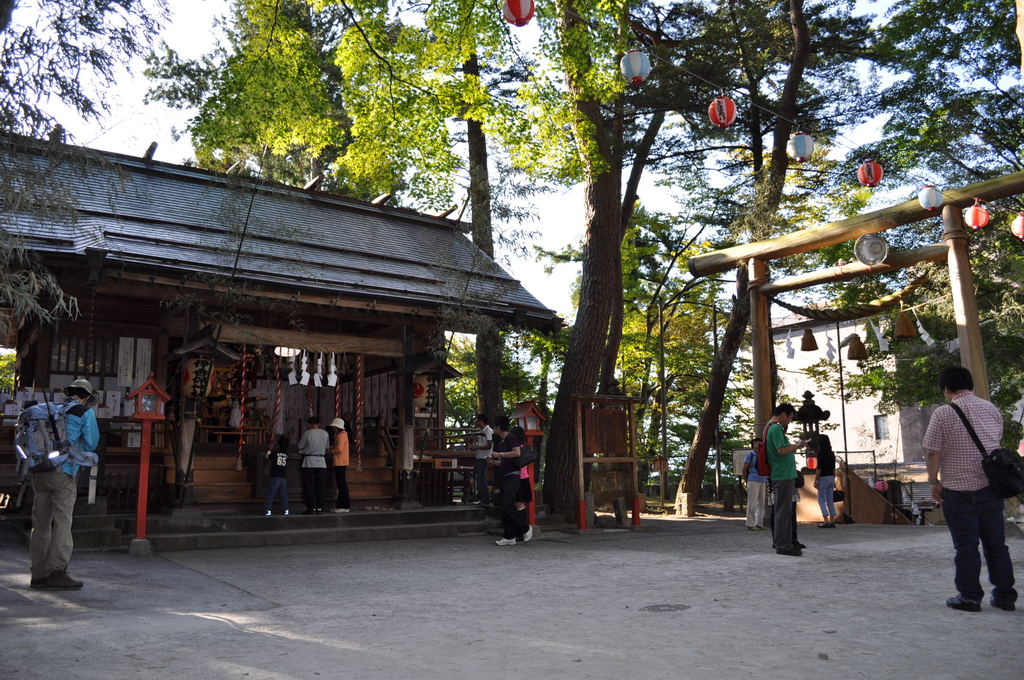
point(266, 513)
point(505, 541)
point(336, 510)
point(528, 535)
point(285, 513)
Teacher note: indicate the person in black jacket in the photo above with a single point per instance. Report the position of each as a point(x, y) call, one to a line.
point(277, 462)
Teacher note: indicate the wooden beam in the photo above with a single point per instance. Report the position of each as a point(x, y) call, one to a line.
point(965, 306)
point(853, 270)
point(312, 340)
point(852, 227)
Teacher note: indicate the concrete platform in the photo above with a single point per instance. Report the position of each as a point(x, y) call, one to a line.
point(683, 599)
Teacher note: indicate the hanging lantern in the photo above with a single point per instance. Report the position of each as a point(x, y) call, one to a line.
point(930, 197)
point(869, 173)
point(857, 349)
point(636, 66)
point(812, 463)
point(977, 215)
point(1017, 226)
point(517, 12)
point(722, 111)
point(807, 342)
point(904, 326)
point(881, 486)
point(801, 146)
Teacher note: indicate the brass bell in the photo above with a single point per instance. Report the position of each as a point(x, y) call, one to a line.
point(807, 342)
point(904, 326)
point(857, 349)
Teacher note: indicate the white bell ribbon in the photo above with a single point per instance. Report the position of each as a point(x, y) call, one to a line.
point(883, 344)
point(790, 352)
point(293, 376)
point(317, 378)
point(924, 334)
point(304, 378)
point(332, 376)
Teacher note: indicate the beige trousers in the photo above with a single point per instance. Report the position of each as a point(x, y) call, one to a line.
point(54, 504)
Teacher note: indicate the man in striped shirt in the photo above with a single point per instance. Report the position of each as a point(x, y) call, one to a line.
point(958, 483)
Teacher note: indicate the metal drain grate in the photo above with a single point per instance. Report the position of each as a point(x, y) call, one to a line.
point(663, 608)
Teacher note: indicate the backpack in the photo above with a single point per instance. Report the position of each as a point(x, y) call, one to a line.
point(761, 465)
point(41, 437)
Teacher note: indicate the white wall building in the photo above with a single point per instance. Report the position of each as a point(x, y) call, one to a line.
point(871, 437)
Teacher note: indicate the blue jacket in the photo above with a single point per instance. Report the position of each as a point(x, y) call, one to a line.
point(83, 433)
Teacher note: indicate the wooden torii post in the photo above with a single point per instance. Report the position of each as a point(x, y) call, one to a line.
point(757, 255)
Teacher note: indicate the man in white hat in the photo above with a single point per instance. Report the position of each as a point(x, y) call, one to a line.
point(54, 504)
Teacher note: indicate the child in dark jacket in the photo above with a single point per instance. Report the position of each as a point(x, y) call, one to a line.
point(277, 463)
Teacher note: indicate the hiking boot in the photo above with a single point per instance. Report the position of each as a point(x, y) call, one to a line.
point(964, 605)
point(60, 580)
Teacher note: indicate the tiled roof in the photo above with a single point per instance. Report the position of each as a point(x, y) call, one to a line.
point(181, 219)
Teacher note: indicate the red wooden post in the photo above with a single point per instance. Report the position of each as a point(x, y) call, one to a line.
point(531, 507)
point(140, 507)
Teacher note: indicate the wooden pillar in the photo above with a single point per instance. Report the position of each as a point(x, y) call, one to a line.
point(965, 306)
point(760, 349)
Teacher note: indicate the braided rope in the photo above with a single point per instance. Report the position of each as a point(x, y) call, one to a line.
point(876, 306)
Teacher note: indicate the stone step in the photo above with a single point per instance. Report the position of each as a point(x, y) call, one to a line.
point(195, 521)
point(203, 475)
point(214, 463)
point(215, 492)
point(299, 536)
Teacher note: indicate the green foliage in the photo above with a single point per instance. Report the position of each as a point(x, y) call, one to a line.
point(7, 361)
point(68, 55)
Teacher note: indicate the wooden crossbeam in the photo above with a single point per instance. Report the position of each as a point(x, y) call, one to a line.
point(853, 270)
point(837, 232)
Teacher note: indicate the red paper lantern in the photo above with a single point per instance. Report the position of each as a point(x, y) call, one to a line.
point(1017, 226)
point(517, 12)
point(977, 215)
point(869, 173)
point(812, 463)
point(722, 111)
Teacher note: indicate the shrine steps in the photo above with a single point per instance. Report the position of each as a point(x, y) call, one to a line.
point(201, 531)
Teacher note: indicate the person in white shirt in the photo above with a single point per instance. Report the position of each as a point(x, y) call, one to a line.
point(482, 446)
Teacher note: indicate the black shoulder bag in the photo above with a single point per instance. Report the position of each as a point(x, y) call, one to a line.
point(1003, 467)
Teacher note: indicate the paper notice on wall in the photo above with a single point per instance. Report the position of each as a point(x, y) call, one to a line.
point(115, 400)
point(143, 360)
point(125, 362)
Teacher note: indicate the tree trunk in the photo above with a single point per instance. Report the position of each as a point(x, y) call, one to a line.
point(488, 341)
point(767, 195)
point(704, 437)
point(629, 199)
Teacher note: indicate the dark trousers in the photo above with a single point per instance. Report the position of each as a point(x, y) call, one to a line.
point(340, 479)
point(480, 475)
point(513, 521)
point(972, 516)
point(314, 483)
point(782, 517)
point(277, 485)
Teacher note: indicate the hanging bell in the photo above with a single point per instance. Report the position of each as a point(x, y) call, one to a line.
point(857, 349)
point(904, 326)
point(807, 342)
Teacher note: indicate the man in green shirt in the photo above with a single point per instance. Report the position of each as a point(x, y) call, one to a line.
point(783, 463)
